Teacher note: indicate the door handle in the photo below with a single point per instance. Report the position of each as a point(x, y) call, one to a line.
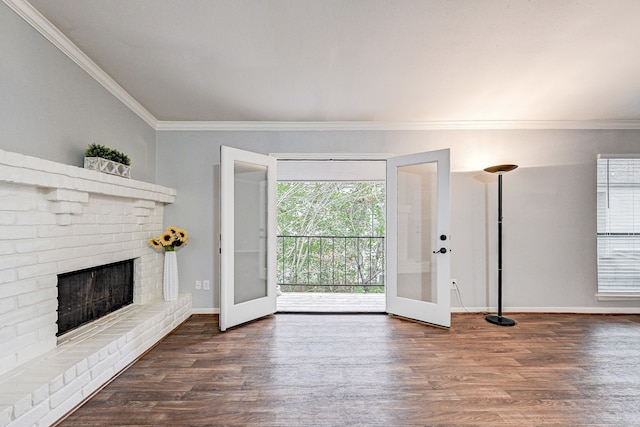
point(440, 251)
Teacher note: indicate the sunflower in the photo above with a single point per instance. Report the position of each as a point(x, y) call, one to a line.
point(155, 243)
point(173, 238)
point(182, 235)
point(166, 238)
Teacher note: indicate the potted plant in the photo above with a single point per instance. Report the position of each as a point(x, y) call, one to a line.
point(104, 159)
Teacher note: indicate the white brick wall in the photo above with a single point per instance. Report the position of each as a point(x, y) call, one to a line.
point(36, 249)
point(55, 219)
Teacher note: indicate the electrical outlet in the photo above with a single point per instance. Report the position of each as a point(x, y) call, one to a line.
point(454, 283)
point(198, 284)
point(206, 285)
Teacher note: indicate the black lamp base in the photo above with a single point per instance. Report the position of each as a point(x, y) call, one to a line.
point(499, 320)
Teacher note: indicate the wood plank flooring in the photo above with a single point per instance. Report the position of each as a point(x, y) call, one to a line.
point(377, 370)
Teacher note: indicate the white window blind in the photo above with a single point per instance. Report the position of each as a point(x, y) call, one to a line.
point(618, 225)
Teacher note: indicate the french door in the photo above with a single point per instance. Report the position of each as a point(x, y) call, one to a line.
point(418, 250)
point(418, 256)
point(247, 236)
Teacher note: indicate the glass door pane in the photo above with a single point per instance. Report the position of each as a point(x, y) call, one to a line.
point(250, 234)
point(417, 203)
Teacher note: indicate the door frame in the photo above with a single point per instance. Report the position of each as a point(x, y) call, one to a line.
point(351, 157)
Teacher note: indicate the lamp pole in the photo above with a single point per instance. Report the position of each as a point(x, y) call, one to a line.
point(499, 319)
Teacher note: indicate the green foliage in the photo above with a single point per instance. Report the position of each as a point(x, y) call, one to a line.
point(331, 208)
point(97, 150)
point(345, 226)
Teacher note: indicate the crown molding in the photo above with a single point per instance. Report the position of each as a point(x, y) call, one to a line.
point(394, 126)
point(51, 33)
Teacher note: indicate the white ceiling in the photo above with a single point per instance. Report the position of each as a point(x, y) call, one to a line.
point(364, 60)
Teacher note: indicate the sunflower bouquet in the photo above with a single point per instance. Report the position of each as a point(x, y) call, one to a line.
point(170, 240)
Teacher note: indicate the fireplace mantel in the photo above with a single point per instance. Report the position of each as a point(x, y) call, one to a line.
point(20, 169)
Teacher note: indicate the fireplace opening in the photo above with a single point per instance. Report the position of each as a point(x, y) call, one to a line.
point(89, 294)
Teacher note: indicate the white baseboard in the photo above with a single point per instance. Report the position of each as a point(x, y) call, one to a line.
point(578, 310)
point(205, 310)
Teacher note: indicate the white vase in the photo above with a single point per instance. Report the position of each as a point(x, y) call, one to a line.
point(170, 279)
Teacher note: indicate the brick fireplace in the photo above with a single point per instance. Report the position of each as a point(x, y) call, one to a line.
point(55, 219)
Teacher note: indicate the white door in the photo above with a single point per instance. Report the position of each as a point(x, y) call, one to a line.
point(418, 249)
point(247, 236)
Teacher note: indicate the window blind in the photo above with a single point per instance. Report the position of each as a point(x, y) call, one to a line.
point(618, 205)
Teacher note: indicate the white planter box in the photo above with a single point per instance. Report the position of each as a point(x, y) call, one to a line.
point(107, 166)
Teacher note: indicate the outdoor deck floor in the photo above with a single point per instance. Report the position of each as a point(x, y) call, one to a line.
point(310, 302)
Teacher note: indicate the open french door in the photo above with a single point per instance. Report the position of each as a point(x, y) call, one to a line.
point(418, 250)
point(247, 236)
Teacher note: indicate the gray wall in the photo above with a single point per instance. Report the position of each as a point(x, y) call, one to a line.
point(549, 204)
point(50, 108)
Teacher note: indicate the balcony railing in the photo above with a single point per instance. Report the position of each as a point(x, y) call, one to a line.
point(331, 263)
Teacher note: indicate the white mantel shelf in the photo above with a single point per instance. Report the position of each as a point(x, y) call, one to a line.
point(20, 169)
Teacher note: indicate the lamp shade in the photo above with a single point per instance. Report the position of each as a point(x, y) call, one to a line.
point(500, 169)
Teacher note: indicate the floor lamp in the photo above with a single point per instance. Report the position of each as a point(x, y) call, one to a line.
point(499, 319)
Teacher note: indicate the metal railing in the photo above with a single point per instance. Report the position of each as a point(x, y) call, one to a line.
point(331, 263)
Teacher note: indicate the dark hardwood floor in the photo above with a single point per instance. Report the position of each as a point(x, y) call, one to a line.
point(377, 370)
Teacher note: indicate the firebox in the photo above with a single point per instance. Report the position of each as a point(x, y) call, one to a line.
point(86, 295)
